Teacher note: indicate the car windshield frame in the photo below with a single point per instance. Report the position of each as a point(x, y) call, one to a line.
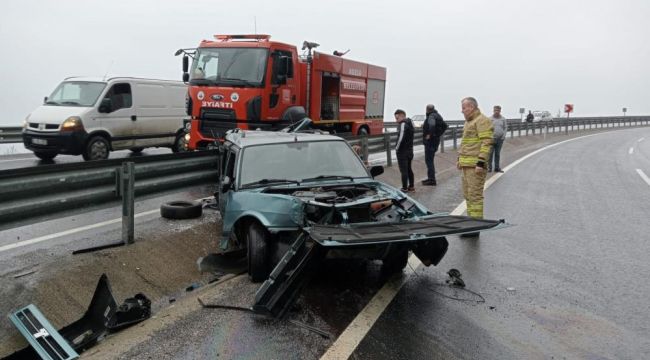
point(231, 73)
point(97, 86)
point(356, 170)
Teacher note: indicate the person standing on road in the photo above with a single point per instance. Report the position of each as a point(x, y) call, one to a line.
point(500, 125)
point(404, 150)
point(432, 129)
point(473, 156)
point(530, 117)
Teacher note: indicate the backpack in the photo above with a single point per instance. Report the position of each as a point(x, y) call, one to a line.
point(441, 126)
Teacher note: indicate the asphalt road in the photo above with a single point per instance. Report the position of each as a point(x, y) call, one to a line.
point(568, 281)
point(28, 159)
point(573, 261)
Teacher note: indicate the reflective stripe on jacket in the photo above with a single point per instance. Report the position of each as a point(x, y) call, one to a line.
point(477, 140)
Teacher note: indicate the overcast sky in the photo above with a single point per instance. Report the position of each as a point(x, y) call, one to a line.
point(533, 54)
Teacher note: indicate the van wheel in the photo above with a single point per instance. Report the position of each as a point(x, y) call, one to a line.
point(45, 155)
point(96, 149)
point(136, 150)
point(180, 145)
point(258, 263)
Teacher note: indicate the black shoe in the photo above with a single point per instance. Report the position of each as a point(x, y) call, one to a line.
point(498, 170)
point(470, 235)
point(429, 182)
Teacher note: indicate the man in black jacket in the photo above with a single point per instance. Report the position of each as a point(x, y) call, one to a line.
point(404, 150)
point(432, 129)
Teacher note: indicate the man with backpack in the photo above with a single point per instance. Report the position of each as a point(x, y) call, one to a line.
point(432, 130)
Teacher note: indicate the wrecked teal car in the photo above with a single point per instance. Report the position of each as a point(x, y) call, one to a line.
point(287, 196)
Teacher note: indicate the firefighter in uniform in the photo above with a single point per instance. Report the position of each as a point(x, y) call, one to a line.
point(473, 156)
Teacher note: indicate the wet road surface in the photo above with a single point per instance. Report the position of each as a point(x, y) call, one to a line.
point(568, 281)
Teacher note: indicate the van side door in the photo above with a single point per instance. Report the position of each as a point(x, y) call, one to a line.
point(160, 109)
point(116, 114)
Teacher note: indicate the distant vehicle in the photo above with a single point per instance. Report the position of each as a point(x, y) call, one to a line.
point(418, 120)
point(542, 116)
point(92, 117)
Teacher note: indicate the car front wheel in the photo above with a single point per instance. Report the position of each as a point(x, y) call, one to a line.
point(258, 259)
point(45, 155)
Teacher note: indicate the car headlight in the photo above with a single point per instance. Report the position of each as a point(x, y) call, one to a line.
point(73, 123)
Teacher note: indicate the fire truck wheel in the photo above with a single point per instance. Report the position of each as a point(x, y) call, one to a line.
point(258, 263)
point(180, 145)
point(181, 209)
point(362, 132)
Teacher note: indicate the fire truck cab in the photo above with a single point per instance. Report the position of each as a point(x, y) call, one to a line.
point(250, 82)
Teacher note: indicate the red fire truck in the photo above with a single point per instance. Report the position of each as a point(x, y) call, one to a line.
point(251, 82)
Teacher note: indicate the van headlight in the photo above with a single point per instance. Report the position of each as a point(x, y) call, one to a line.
point(73, 123)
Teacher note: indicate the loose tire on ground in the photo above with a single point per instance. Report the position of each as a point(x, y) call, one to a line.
point(45, 155)
point(258, 257)
point(97, 148)
point(181, 209)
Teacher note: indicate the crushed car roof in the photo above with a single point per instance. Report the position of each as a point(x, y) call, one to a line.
point(244, 138)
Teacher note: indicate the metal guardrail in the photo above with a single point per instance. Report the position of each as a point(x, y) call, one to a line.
point(11, 134)
point(27, 193)
point(386, 142)
point(31, 192)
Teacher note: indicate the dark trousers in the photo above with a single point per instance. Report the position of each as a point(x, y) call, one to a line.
point(404, 163)
point(496, 154)
point(430, 148)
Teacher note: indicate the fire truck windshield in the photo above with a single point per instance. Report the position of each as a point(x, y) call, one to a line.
point(229, 67)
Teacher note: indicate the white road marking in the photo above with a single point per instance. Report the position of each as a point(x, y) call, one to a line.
point(641, 139)
point(70, 232)
point(631, 151)
point(77, 230)
point(643, 176)
point(351, 337)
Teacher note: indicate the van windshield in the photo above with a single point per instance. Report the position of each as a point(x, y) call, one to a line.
point(229, 67)
point(76, 93)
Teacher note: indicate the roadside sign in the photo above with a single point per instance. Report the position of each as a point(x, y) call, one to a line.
point(522, 110)
point(624, 110)
point(568, 108)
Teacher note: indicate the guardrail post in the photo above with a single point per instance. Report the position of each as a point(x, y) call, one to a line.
point(127, 177)
point(389, 159)
point(442, 143)
point(364, 148)
point(512, 134)
point(519, 129)
point(566, 127)
point(453, 134)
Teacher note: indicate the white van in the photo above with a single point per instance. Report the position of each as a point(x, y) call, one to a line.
point(92, 117)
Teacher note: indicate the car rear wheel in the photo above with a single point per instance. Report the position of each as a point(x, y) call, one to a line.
point(258, 259)
point(97, 149)
point(45, 155)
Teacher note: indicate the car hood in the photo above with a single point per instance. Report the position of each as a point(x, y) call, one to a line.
point(52, 114)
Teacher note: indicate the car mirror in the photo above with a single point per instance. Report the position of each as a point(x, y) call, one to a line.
point(376, 170)
point(106, 106)
point(225, 183)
